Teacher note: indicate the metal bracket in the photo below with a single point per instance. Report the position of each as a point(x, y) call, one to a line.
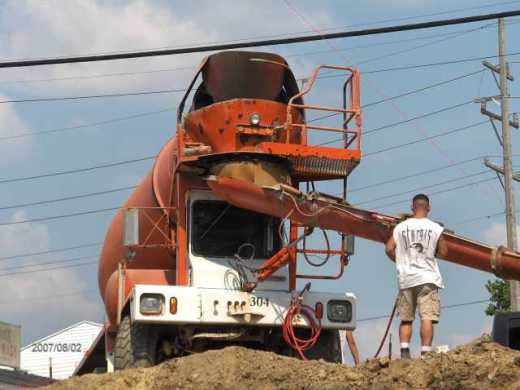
point(496, 69)
point(500, 170)
point(484, 111)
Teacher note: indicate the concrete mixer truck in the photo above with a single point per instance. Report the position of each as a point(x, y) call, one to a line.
point(206, 251)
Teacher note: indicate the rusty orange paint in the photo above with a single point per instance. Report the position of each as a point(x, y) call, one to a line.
point(226, 127)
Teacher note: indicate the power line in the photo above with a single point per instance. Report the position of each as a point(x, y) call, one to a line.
point(421, 173)
point(423, 187)
point(167, 91)
point(59, 173)
point(267, 42)
point(70, 215)
point(432, 64)
point(426, 65)
point(49, 297)
point(139, 93)
point(153, 92)
point(438, 192)
point(450, 12)
point(80, 196)
point(457, 130)
point(49, 269)
point(30, 254)
point(72, 260)
point(376, 44)
point(488, 216)
point(54, 217)
point(449, 108)
point(423, 45)
point(422, 89)
point(83, 97)
point(86, 125)
point(412, 142)
point(331, 28)
point(98, 75)
point(380, 317)
point(191, 67)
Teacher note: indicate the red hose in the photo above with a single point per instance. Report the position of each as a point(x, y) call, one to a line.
point(387, 328)
point(289, 334)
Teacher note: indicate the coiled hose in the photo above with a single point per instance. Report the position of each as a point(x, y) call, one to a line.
point(289, 332)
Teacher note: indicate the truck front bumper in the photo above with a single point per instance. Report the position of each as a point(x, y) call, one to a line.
point(199, 306)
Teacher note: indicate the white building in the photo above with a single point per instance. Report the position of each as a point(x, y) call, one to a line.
point(62, 351)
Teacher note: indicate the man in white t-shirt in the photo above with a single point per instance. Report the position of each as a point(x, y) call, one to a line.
point(413, 246)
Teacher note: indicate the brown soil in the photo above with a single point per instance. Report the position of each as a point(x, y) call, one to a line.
point(481, 364)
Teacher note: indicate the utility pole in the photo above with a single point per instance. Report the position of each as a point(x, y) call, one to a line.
point(508, 165)
point(505, 140)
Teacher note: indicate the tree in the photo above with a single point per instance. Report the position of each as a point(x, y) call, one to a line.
point(500, 298)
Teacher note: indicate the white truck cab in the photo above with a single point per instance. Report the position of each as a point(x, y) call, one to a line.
point(226, 245)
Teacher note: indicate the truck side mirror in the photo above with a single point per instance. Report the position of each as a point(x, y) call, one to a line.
point(131, 227)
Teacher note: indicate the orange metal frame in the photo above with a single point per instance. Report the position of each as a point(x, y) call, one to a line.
point(168, 242)
point(349, 111)
point(226, 122)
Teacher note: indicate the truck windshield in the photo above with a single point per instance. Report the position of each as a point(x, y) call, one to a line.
point(219, 229)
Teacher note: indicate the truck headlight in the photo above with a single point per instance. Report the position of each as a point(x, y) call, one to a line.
point(151, 304)
point(339, 311)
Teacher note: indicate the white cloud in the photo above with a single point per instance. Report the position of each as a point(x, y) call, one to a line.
point(43, 29)
point(84, 27)
point(11, 124)
point(496, 234)
point(33, 299)
point(88, 26)
point(15, 239)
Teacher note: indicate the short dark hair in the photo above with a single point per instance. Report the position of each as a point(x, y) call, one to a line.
point(421, 197)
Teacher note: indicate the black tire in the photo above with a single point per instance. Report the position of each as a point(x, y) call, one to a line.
point(135, 345)
point(327, 348)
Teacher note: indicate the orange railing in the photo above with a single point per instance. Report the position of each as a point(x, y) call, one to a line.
point(351, 109)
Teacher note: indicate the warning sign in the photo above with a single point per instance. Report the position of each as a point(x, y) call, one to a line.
point(10, 344)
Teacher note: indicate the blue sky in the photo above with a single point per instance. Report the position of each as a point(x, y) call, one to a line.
point(43, 302)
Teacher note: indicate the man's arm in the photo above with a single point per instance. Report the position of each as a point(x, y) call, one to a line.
point(390, 248)
point(442, 248)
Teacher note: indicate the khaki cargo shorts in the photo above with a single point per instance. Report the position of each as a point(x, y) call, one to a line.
point(425, 297)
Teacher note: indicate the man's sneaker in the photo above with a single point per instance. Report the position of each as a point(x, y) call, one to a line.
point(405, 353)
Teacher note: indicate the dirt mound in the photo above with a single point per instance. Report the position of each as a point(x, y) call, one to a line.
point(481, 364)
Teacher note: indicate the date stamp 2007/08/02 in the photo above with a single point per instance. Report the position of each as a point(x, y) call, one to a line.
point(56, 347)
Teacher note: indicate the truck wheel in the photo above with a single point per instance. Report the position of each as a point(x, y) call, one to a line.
point(327, 348)
point(135, 345)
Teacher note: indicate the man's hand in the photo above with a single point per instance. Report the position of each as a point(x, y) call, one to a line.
point(442, 248)
point(390, 248)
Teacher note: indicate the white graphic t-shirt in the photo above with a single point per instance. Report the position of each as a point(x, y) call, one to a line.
point(416, 243)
